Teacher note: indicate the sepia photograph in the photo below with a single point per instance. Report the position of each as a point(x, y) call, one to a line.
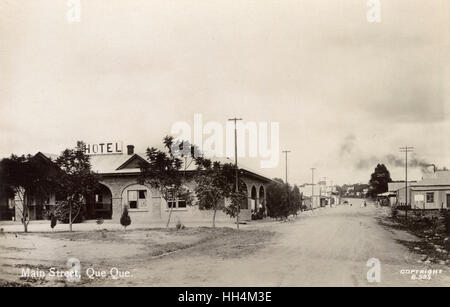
point(223, 149)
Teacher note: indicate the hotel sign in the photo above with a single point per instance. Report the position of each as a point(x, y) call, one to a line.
point(106, 148)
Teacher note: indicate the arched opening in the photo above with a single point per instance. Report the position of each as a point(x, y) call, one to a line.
point(244, 202)
point(253, 199)
point(136, 197)
point(99, 204)
point(261, 204)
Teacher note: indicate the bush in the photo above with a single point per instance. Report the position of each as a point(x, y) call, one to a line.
point(53, 221)
point(447, 221)
point(179, 225)
point(258, 214)
point(125, 219)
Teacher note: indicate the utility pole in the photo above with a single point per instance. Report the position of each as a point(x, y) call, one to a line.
point(406, 149)
point(285, 153)
point(287, 186)
point(312, 186)
point(236, 166)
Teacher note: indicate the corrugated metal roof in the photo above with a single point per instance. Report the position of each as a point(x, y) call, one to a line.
point(438, 178)
point(396, 185)
point(109, 164)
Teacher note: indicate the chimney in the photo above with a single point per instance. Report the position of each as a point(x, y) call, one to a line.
point(130, 150)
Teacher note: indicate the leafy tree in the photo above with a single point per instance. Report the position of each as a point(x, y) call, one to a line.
point(76, 182)
point(163, 171)
point(379, 180)
point(125, 219)
point(214, 184)
point(295, 200)
point(27, 177)
point(236, 199)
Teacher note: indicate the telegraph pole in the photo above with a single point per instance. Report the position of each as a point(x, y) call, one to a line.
point(287, 186)
point(406, 149)
point(312, 186)
point(236, 166)
point(285, 153)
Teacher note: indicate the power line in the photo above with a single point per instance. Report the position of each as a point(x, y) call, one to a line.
point(236, 166)
point(406, 150)
point(285, 153)
point(312, 186)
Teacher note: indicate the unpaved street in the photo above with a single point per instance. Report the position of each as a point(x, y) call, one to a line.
point(326, 247)
point(329, 247)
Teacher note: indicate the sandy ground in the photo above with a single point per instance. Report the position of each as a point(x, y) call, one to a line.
point(327, 247)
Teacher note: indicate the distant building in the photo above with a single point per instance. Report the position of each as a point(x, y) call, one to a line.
point(324, 194)
point(119, 188)
point(432, 192)
point(391, 196)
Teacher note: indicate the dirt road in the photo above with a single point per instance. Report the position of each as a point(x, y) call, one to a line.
point(329, 247)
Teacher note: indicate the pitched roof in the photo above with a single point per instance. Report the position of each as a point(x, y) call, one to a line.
point(114, 164)
point(439, 178)
point(126, 164)
point(394, 186)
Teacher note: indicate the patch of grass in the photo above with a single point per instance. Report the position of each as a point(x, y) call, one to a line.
point(433, 241)
point(234, 243)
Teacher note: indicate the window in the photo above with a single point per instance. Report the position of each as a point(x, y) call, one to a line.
point(98, 198)
point(176, 204)
point(171, 204)
point(142, 194)
point(137, 199)
point(430, 197)
point(181, 203)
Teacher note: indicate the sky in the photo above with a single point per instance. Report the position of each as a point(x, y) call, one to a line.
point(346, 93)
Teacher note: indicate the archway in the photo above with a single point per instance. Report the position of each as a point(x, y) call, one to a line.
point(136, 197)
point(244, 202)
point(262, 203)
point(253, 199)
point(99, 204)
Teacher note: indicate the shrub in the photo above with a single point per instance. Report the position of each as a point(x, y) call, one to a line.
point(447, 221)
point(53, 221)
point(179, 225)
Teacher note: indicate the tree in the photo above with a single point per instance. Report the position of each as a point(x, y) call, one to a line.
point(295, 200)
point(27, 177)
point(125, 219)
point(379, 180)
point(163, 172)
point(278, 199)
point(236, 199)
point(214, 184)
point(76, 182)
